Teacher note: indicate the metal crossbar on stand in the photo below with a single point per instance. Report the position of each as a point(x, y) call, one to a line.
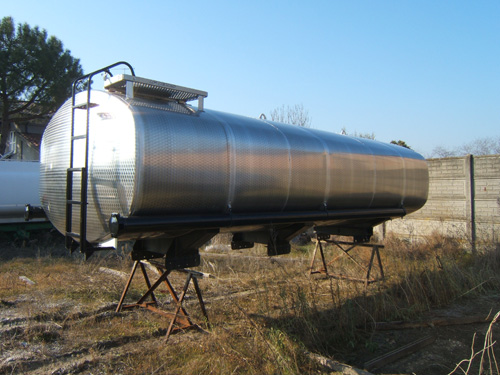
point(180, 316)
point(346, 250)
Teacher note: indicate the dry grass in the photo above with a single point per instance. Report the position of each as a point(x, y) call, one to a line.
point(485, 358)
point(265, 313)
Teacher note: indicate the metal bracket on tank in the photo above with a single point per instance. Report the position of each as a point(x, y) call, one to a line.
point(133, 86)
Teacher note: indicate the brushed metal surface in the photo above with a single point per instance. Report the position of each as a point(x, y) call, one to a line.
point(160, 158)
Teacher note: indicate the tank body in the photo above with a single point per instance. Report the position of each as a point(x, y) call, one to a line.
point(19, 186)
point(154, 158)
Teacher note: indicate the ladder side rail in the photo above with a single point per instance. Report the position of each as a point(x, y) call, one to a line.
point(102, 70)
point(69, 173)
point(84, 180)
point(84, 170)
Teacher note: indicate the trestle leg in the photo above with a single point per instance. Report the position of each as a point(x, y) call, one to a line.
point(346, 250)
point(180, 316)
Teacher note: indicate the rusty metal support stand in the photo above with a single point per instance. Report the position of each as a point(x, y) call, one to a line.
point(180, 317)
point(345, 248)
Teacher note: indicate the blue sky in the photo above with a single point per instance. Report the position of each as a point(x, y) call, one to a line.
point(426, 72)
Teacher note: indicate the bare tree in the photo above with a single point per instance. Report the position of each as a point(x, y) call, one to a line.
point(358, 135)
point(294, 115)
point(442, 152)
point(480, 146)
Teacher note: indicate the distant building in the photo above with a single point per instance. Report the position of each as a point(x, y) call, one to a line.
point(24, 140)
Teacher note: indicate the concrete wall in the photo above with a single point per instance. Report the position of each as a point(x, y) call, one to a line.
point(464, 201)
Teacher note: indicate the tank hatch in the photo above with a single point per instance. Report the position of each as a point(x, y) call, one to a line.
point(132, 86)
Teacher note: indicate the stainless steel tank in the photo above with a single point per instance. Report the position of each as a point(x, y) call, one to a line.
point(162, 158)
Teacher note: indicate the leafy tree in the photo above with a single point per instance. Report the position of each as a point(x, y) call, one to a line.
point(36, 73)
point(400, 143)
point(295, 115)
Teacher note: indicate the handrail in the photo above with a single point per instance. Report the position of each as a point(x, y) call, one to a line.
point(102, 70)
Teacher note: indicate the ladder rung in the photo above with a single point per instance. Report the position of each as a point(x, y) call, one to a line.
point(85, 105)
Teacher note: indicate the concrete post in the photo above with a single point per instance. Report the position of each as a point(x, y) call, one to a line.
point(470, 200)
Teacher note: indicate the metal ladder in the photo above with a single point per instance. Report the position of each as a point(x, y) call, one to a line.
point(73, 237)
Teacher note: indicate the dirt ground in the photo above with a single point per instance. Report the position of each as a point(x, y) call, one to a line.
point(452, 342)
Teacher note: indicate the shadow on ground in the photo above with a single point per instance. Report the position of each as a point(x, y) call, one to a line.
point(346, 332)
